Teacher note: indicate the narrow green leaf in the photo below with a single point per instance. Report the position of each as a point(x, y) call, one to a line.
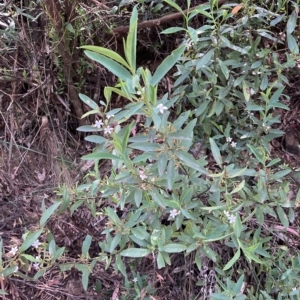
point(175, 5)
point(88, 101)
point(205, 59)
point(160, 261)
point(110, 64)
point(172, 30)
point(86, 246)
point(130, 45)
point(233, 260)
point(145, 146)
point(3, 292)
point(30, 239)
point(189, 160)
point(96, 139)
point(135, 252)
point(292, 22)
point(166, 65)
point(238, 226)
point(257, 154)
point(238, 188)
point(174, 248)
point(215, 151)
point(115, 242)
point(109, 53)
point(121, 265)
point(282, 216)
point(292, 44)
point(48, 213)
point(100, 155)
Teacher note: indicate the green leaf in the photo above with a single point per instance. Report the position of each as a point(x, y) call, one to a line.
point(160, 261)
point(166, 65)
point(238, 188)
point(88, 101)
point(121, 265)
point(48, 213)
point(130, 44)
point(85, 275)
point(145, 146)
point(115, 242)
point(238, 226)
point(292, 44)
point(30, 239)
point(205, 59)
point(172, 30)
point(96, 139)
point(176, 6)
point(173, 248)
point(110, 64)
point(170, 175)
point(215, 151)
point(86, 246)
point(189, 160)
point(109, 53)
point(88, 128)
point(2, 292)
point(233, 260)
point(291, 23)
point(101, 155)
point(140, 232)
point(282, 216)
point(135, 252)
point(257, 153)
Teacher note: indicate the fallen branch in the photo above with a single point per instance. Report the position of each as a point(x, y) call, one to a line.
point(164, 19)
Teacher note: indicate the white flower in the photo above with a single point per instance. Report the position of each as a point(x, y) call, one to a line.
point(229, 139)
point(161, 108)
point(294, 289)
point(108, 117)
point(174, 212)
point(13, 251)
point(36, 266)
point(16, 269)
point(233, 144)
point(36, 244)
point(142, 175)
point(226, 213)
point(134, 279)
point(231, 219)
point(108, 130)
point(98, 124)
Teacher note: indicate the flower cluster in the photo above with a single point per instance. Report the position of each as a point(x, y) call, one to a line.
point(232, 143)
point(231, 218)
point(107, 129)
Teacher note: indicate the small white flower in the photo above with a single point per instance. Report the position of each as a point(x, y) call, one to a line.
point(36, 244)
point(13, 251)
point(188, 44)
point(98, 124)
point(174, 212)
point(161, 108)
point(36, 266)
point(294, 289)
point(231, 219)
point(108, 117)
point(233, 144)
point(142, 175)
point(135, 280)
point(226, 213)
point(229, 139)
point(108, 130)
point(16, 269)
